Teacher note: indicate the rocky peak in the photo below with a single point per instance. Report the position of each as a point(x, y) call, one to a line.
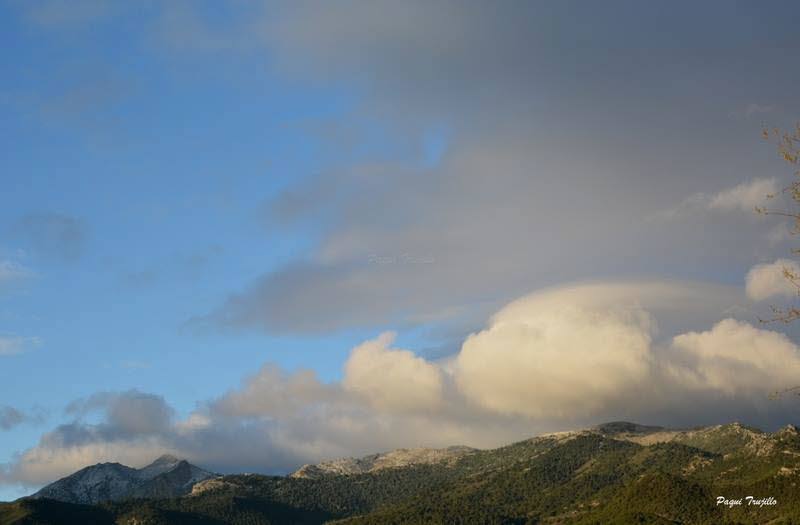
point(167, 476)
point(402, 457)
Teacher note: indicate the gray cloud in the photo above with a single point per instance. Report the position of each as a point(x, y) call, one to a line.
point(567, 125)
point(10, 417)
point(128, 413)
point(53, 234)
point(563, 136)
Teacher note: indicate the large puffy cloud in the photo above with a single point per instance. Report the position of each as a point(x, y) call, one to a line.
point(393, 379)
point(560, 358)
point(773, 280)
point(550, 356)
point(736, 358)
point(604, 350)
point(593, 351)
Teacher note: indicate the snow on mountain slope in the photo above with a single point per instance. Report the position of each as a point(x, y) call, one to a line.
point(396, 458)
point(167, 476)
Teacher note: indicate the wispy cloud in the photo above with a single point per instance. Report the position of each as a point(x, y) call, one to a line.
point(744, 197)
point(11, 271)
point(751, 110)
point(10, 417)
point(53, 234)
point(15, 344)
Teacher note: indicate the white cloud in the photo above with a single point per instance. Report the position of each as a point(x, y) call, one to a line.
point(742, 197)
point(770, 280)
point(548, 355)
point(392, 379)
point(745, 196)
point(591, 352)
point(735, 358)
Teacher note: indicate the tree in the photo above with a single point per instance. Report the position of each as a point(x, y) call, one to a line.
point(788, 144)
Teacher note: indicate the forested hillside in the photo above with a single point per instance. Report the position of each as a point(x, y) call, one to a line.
point(618, 473)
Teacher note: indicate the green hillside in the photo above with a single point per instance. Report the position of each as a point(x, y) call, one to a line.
point(612, 474)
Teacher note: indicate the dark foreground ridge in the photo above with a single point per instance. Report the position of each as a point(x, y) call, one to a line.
point(614, 473)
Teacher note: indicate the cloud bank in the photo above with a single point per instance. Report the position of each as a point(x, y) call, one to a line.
point(530, 176)
point(555, 359)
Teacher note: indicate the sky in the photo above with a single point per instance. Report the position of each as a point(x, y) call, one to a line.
point(260, 234)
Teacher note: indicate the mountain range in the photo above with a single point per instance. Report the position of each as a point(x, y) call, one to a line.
point(166, 477)
point(614, 473)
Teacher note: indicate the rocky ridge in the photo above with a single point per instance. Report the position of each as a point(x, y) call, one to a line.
point(402, 457)
point(167, 476)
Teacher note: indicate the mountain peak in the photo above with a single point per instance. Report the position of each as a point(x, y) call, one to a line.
point(167, 476)
point(166, 459)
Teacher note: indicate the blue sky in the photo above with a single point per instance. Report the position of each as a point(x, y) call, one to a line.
point(191, 190)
